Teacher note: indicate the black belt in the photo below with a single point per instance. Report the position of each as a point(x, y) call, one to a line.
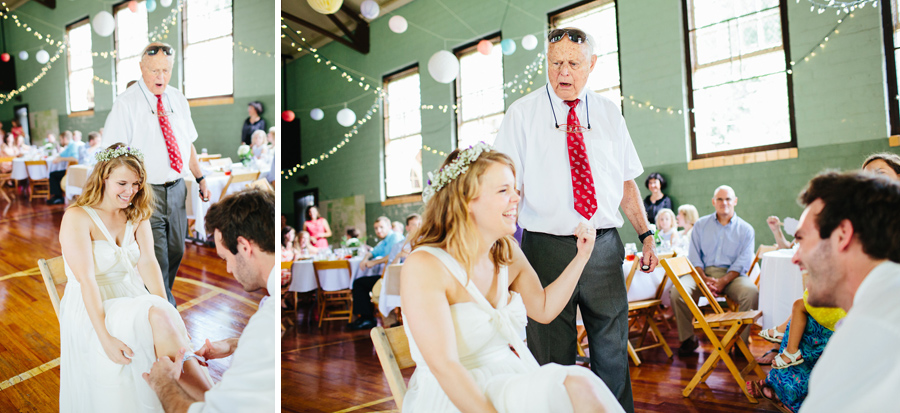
point(600, 232)
point(170, 183)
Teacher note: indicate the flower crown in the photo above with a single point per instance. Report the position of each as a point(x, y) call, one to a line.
point(118, 151)
point(457, 167)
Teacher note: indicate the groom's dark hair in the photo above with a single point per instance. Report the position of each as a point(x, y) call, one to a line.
point(249, 214)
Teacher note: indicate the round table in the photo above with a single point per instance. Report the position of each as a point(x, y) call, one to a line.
point(215, 182)
point(304, 276)
point(780, 284)
point(19, 172)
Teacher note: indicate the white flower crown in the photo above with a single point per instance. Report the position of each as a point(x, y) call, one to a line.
point(118, 151)
point(457, 167)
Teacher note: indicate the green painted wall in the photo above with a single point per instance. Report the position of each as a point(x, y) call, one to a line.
point(219, 126)
point(839, 98)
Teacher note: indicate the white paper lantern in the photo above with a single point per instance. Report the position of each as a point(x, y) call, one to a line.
point(23, 55)
point(316, 114)
point(529, 42)
point(346, 117)
point(398, 24)
point(369, 9)
point(443, 66)
point(165, 3)
point(104, 24)
point(325, 6)
point(42, 56)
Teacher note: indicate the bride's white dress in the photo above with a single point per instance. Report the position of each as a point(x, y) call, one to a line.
point(483, 336)
point(90, 381)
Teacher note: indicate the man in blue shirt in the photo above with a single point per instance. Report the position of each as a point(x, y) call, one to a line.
point(721, 250)
point(372, 264)
point(69, 153)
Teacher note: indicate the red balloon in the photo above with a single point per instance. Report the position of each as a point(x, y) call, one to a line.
point(288, 116)
point(133, 6)
point(4, 57)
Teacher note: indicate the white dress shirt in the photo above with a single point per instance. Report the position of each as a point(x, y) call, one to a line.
point(133, 121)
point(859, 371)
point(250, 385)
point(529, 136)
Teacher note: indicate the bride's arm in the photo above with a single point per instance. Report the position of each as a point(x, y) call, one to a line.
point(423, 293)
point(75, 239)
point(544, 304)
point(147, 265)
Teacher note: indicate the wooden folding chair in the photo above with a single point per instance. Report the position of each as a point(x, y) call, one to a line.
point(390, 278)
point(641, 313)
point(220, 161)
point(343, 299)
point(53, 271)
point(392, 347)
point(206, 158)
point(238, 178)
point(38, 188)
point(733, 322)
point(759, 252)
point(286, 266)
point(5, 177)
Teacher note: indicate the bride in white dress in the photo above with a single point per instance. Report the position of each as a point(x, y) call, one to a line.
point(111, 328)
point(466, 289)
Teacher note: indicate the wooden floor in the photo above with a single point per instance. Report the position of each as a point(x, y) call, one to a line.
point(211, 302)
point(335, 370)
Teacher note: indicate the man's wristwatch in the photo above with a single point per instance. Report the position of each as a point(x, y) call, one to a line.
point(643, 236)
point(201, 178)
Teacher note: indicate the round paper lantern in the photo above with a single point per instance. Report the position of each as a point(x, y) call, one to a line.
point(104, 23)
point(398, 24)
point(4, 57)
point(325, 6)
point(316, 114)
point(369, 9)
point(508, 46)
point(42, 56)
point(443, 66)
point(287, 116)
point(151, 5)
point(485, 46)
point(165, 3)
point(529, 42)
point(346, 117)
point(132, 5)
point(23, 55)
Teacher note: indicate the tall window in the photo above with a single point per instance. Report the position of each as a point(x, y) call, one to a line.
point(598, 18)
point(739, 88)
point(131, 37)
point(208, 48)
point(891, 23)
point(479, 95)
point(81, 66)
point(402, 133)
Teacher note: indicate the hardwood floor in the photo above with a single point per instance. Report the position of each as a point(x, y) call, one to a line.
point(335, 370)
point(212, 303)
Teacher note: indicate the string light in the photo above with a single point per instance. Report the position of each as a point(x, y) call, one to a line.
point(7, 97)
point(523, 84)
point(104, 81)
point(840, 6)
point(104, 55)
point(251, 50)
point(161, 31)
point(646, 104)
point(822, 43)
point(434, 151)
point(40, 36)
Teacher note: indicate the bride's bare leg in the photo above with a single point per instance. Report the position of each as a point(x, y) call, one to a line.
point(167, 341)
point(583, 394)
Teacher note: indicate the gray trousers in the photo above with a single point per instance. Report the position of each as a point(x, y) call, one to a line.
point(601, 295)
point(169, 226)
point(741, 290)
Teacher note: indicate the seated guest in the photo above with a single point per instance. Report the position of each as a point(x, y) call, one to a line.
point(397, 227)
point(657, 199)
point(687, 216)
point(372, 264)
point(884, 163)
point(775, 225)
point(721, 250)
point(8, 148)
point(87, 155)
point(69, 153)
point(288, 253)
point(666, 227)
point(259, 147)
point(270, 137)
point(20, 143)
point(400, 251)
point(303, 245)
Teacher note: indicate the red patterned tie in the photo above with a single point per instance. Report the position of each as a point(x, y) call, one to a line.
point(582, 180)
point(169, 136)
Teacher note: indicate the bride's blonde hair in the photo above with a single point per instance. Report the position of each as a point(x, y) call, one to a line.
point(446, 223)
point(141, 203)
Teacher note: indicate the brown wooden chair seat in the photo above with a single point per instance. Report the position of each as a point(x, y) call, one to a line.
point(37, 188)
point(392, 347)
point(334, 305)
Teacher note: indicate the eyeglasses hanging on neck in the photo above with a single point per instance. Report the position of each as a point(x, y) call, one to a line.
point(567, 128)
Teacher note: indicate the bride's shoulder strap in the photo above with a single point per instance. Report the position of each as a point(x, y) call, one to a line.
point(97, 221)
point(452, 265)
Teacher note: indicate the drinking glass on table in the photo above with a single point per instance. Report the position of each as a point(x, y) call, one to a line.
point(630, 251)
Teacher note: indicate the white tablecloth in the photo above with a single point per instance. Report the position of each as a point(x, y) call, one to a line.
point(643, 285)
point(780, 284)
point(304, 276)
point(215, 182)
point(76, 178)
point(19, 172)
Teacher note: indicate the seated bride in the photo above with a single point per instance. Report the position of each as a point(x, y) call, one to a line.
point(112, 329)
point(466, 289)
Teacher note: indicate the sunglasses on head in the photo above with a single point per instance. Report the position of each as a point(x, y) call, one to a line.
point(153, 50)
point(575, 35)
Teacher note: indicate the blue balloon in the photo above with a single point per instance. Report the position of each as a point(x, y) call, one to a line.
point(508, 46)
point(151, 5)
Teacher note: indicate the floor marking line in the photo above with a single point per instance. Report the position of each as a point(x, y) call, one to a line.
point(198, 300)
point(219, 290)
point(362, 406)
point(325, 345)
point(27, 273)
point(28, 374)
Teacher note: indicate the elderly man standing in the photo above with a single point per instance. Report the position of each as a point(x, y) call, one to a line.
point(721, 250)
point(157, 119)
point(576, 163)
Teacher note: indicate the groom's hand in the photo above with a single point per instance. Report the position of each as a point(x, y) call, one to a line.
point(218, 349)
point(165, 370)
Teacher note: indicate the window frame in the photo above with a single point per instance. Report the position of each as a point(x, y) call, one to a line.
point(689, 59)
point(69, 27)
point(457, 90)
point(205, 100)
point(891, 74)
point(115, 10)
point(385, 119)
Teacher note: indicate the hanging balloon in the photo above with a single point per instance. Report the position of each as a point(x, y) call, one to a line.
point(529, 42)
point(316, 114)
point(398, 24)
point(104, 23)
point(443, 66)
point(132, 5)
point(325, 6)
point(42, 56)
point(151, 5)
point(288, 116)
point(346, 117)
point(485, 47)
point(4, 57)
point(508, 46)
point(369, 9)
point(165, 3)
point(23, 55)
